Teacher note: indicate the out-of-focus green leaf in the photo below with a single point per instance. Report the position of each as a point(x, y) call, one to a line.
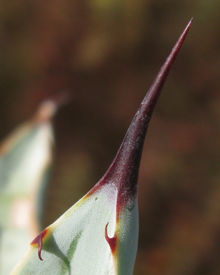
point(25, 157)
point(99, 234)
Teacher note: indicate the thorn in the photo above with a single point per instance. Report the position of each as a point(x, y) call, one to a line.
point(49, 107)
point(39, 241)
point(111, 241)
point(125, 167)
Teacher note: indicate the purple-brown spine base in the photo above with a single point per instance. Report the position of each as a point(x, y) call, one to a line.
point(111, 241)
point(123, 171)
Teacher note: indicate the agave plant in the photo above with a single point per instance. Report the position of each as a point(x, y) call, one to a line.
point(99, 234)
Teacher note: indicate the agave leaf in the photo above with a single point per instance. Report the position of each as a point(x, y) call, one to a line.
point(25, 157)
point(99, 234)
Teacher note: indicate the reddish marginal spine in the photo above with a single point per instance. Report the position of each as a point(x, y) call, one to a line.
point(39, 241)
point(111, 241)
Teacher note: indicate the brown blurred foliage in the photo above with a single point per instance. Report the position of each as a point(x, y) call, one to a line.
point(106, 54)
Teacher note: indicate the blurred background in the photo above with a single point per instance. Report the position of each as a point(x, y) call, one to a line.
point(106, 53)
